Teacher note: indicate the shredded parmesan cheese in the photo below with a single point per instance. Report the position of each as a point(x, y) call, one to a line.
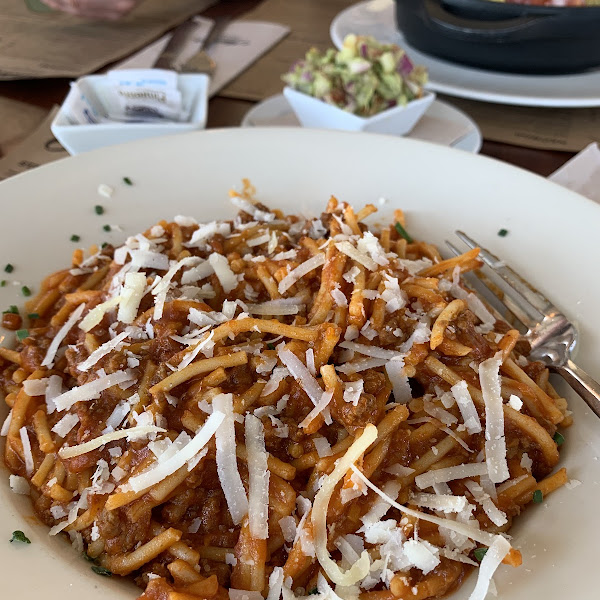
point(259, 241)
point(495, 515)
point(97, 313)
point(227, 468)
point(300, 271)
point(465, 403)
point(353, 391)
point(280, 307)
point(320, 406)
point(361, 365)
point(275, 584)
point(255, 212)
point(223, 271)
point(147, 259)
point(491, 561)
point(19, 485)
point(91, 390)
point(132, 433)
point(6, 424)
point(162, 288)
point(133, 292)
point(395, 372)
point(27, 455)
point(66, 424)
point(515, 402)
point(163, 468)
point(319, 513)
point(102, 351)
point(360, 257)
point(483, 537)
point(36, 387)
point(373, 351)
point(61, 335)
point(204, 232)
point(446, 474)
point(301, 374)
point(444, 502)
point(495, 442)
point(258, 479)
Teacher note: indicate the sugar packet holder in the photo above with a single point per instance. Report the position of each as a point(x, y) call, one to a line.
point(129, 95)
point(83, 121)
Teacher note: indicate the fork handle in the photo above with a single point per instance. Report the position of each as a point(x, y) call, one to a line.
point(582, 383)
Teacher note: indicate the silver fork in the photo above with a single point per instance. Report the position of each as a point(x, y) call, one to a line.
point(551, 336)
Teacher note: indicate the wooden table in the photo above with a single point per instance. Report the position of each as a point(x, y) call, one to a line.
point(228, 112)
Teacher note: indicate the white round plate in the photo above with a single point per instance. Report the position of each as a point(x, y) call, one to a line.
point(553, 241)
point(276, 111)
point(377, 18)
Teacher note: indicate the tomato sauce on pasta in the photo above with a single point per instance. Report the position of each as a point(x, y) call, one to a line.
point(278, 406)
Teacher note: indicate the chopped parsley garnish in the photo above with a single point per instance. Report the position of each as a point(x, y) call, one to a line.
point(127, 181)
point(75, 238)
point(13, 309)
point(101, 571)
point(3, 283)
point(503, 232)
point(89, 558)
point(26, 291)
point(22, 334)
point(313, 592)
point(403, 233)
point(104, 244)
point(19, 536)
point(99, 209)
point(271, 346)
point(479, 553)
point(33, 316)
point(538, 496)
point(106, 227)
point(9, 268)
point(559, 439)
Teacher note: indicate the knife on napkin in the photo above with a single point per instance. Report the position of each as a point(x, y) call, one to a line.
point(197, 34)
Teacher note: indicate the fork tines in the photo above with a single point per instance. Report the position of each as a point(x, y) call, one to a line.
point(525, 302)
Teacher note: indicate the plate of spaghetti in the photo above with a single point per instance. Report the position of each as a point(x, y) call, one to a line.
point(238, 364)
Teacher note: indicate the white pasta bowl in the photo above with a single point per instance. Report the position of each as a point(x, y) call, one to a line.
point(397, 120)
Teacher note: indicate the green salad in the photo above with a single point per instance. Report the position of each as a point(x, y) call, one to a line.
point(365, 77)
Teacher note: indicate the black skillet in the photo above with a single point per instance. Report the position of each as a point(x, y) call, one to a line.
point(517, 38)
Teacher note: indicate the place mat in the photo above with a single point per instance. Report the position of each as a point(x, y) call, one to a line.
point(39, 148)
point(54, 44)
point(18, 120)
point(309, 22)
point(566, 129)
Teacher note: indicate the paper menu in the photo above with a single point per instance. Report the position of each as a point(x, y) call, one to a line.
point(582, 173)
point(54, 44)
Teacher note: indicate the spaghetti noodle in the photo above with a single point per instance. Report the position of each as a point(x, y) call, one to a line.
point(278, 406)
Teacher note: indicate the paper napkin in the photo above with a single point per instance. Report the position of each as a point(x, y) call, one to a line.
point(582, 173)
